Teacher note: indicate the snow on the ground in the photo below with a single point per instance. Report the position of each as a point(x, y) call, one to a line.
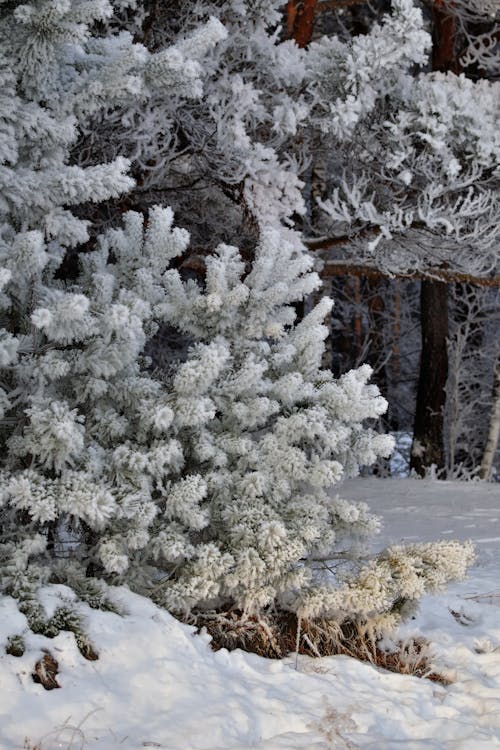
point(157, 684)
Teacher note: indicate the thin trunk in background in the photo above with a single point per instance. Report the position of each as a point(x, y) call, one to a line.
point(428, 443)
point(356, 282)
point(428, 429)
point(377, 290)
point(444, 29)
point(396, 332)
point(493, 428)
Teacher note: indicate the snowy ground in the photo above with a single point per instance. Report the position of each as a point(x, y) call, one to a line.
point(158, 685)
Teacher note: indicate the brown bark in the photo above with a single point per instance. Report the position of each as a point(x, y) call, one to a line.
point(428, 441)
point(300, 20)
point(291, 16)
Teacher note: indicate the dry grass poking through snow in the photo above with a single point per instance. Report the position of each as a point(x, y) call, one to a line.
point(67, 737)
point(282, 634)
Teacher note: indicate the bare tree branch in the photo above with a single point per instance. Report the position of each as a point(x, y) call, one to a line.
point(343, 268)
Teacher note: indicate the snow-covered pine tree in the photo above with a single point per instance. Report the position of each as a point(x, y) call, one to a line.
point(206, 485)
point(55, 73)
point(417, 153)
point(234, 157)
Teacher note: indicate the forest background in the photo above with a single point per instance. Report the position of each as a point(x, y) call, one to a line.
point(422, 306)
point(172, 417)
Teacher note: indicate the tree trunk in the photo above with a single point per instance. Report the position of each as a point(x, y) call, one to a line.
point(396, 332)
point(493, 428)
point(428, 433)
point(300, 18)
point(428, 442)
point(443, 49)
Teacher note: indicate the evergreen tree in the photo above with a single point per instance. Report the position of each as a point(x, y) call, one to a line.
point(206, 484)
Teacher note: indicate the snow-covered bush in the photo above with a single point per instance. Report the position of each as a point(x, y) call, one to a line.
point(205, 484)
